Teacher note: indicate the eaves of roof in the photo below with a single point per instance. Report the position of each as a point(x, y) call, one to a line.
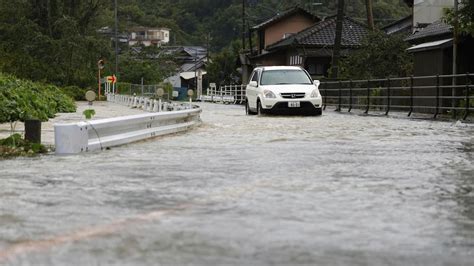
point(400, 21)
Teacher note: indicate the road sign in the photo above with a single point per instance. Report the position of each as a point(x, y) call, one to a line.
point(112, 79)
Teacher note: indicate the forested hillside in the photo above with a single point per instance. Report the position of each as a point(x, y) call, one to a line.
point(57, 41)
point(194, 21)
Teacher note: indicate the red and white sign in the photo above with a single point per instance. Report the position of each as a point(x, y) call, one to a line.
point(112, 79)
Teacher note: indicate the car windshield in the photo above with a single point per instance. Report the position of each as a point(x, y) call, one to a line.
point(284, 76)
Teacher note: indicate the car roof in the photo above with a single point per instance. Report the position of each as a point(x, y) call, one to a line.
point(265, 68)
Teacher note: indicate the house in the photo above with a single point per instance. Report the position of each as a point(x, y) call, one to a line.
point(283, 26)
point(432, 41)
point(312, 48)
point(148, 36)
point(192, 68)
point(270, 31)
point(432, 49)
point(426, 12)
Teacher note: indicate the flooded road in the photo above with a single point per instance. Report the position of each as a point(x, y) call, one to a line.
point(334, 190)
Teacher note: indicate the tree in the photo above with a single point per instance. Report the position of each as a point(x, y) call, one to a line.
point(465, 17)
point(381, 56)
point(51, 40)
point(150, 63)
point(337, 39)
point(223, 69)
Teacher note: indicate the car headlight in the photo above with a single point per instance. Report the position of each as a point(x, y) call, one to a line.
point(315, 93)
point(268, 94)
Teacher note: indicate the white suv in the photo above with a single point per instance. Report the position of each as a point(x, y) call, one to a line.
point(284, 90)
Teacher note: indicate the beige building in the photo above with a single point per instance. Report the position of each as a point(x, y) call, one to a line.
point(149, 36)
point(428, 11)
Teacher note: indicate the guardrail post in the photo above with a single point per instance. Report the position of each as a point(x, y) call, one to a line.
point(388, 96)
point(437, 97)
point(368, 97)
point(468, 100)
point(411, 95)
point(339, 100)
point(350, 96)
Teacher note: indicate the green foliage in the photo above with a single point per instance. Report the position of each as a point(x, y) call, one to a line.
point(13, 141)
point(465, 17)
point(15, 145)
point(75, 92)
point(22, 99)
point(51, 40)
point(89, 113)
point(167, 87)
point(381, 56)
point(150, 64)
point(222, 68)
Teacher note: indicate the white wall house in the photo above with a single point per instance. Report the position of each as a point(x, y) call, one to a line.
point(428, 11)
point(149, 36)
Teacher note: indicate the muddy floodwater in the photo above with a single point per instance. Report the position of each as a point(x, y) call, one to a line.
point(245, 190)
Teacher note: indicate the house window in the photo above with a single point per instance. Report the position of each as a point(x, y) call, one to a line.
point(296, 60)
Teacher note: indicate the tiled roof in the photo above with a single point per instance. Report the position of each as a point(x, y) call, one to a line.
point(434, 29)
point(283, 15)
point(401, 25)
point(323, 34)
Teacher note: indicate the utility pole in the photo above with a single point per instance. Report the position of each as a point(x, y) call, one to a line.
point(337, 40)
point(455, 55)
point(243, 25)
point(116, 40)
point(370, 14)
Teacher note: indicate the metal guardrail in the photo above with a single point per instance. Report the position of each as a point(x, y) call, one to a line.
point(93, 135)
point(424, 94)
point(225, 94)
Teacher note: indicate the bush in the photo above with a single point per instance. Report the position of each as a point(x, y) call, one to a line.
point(22, 99)
point(75, 92)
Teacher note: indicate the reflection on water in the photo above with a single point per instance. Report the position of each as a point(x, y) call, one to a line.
point(335, 189)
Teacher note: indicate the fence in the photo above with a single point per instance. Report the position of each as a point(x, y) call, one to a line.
point(93, 135)
point(226, 94)
point(424, 94)
point(141, 90)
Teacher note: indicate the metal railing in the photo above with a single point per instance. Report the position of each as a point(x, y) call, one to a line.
point(141, 90)
point(226, 94)
point(423, 94)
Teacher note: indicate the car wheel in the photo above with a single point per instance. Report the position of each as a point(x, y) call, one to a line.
point(318, 112)
point(259, 108)
point(247, 109)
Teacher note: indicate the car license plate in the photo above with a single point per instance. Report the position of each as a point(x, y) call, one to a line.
point(293, 104)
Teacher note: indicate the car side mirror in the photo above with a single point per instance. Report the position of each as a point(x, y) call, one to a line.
point(316, 82)
point(253, 83)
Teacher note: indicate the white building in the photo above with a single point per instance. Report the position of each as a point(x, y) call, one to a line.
point(149, 36)
point(428, 11)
